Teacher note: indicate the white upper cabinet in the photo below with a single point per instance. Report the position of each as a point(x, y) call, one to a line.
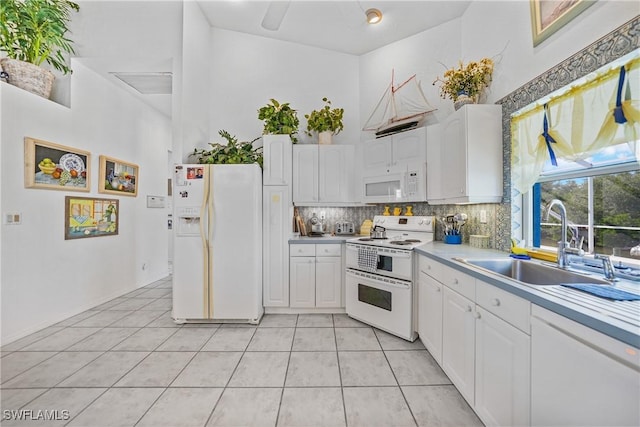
point(277, 160)
point(323, 174)
point(394, 151)
point(470, 150)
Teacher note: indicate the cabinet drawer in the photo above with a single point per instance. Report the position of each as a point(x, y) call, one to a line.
point(302, 250)
point(460, 282)
point(431, 268)
point(329, 249)
point(506, 306)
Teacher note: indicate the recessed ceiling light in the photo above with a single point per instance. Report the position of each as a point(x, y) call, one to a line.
point(373, 16)
point(147, 83)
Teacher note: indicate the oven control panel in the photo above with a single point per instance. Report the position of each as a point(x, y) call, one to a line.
point(405, 223)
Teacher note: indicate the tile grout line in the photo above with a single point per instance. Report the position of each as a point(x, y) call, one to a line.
point(286, 372)
point(344, 405)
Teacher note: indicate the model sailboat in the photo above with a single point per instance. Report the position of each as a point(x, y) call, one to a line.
point(400, 108)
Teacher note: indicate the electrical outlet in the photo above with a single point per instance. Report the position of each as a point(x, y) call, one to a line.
point(321, 214)
point(483, 217)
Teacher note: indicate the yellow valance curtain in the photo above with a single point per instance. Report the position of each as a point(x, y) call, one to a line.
point(603, 111)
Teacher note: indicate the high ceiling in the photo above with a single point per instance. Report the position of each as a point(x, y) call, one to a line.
point(335, 25)
point(144, 36)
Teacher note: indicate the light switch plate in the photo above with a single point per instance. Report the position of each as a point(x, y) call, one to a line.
point(12, 218)
point(483, 217)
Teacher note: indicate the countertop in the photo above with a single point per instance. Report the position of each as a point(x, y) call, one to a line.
point(326, 239)
point(445, 253)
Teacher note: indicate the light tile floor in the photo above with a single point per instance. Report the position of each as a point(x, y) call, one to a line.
point(126, 363)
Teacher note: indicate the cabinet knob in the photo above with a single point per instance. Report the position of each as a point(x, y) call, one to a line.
point(477, 315)
point(455, 281)
point(468, 309)
point(438, 289)
point(495, 302)
point(428, 266)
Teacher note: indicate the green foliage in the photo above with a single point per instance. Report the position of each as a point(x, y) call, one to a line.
point(34, 31)
point(326, 119)
point(233, 152)
point(279, 119)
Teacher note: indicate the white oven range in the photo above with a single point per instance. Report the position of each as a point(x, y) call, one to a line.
point(380, 274)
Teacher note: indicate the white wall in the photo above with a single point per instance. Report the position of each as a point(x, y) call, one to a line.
point(45, 278)
point(191, 90)
point(489, 27)
point(496, 29)
point(247, 71)
point(424, 54)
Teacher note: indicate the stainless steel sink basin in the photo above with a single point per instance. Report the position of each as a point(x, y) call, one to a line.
point(531, 273)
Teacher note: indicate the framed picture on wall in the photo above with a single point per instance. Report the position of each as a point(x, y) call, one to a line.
point(90, 217)
point(548, 16)
point(118, 177)
point(55, 167)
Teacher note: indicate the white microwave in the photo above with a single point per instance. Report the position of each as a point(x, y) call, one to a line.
point(409, 185)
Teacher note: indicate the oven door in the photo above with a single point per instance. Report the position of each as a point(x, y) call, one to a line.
point(380, 302)
point(391, 262)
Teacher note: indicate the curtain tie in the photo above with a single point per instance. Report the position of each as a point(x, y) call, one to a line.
point(548, 139)
point(618, 114)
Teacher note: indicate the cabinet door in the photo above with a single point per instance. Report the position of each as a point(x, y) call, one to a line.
point(377, 155)
point(502, 372)
point(276, 220)
point(277, 160)
point(580, 377)
point(435, 173)
point(453, 157)
point(458, 342)
point(430, 315)
point(410, 146)
point(329, 273)
point(305, 173)
point(335, 173)
point(302, 281)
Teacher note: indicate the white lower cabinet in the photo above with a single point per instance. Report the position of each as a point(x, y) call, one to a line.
point(580, 377)
point(316, 276)
point(430, 314)
point(479, 334)
point(458, 342)
point(502, 372)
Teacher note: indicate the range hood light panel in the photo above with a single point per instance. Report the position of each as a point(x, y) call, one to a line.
point(147, 83)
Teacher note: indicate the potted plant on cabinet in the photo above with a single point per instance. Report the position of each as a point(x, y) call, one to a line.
point(279, 119)
point(465, 84)
point(233, 152)
point(33, 32)
point(326, 122)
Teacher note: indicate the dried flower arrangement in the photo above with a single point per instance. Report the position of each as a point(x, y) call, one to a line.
point(471, 79)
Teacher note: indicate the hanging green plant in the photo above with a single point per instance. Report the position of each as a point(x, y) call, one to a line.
point(326, 119)
point(279, 119)
point(233, 152)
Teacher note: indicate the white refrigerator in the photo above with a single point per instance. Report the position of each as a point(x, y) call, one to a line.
point(217, 259)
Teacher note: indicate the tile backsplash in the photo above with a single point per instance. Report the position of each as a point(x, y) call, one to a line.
point(358, 214)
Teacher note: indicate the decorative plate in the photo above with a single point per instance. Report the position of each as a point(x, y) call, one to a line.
point(71, 161)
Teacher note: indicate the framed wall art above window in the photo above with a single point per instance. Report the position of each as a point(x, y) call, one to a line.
point(118, 177)
point(548, 16)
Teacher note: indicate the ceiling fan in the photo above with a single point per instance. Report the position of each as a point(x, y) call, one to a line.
point(275, 14)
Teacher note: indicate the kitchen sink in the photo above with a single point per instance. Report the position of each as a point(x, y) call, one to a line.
point(531, 273)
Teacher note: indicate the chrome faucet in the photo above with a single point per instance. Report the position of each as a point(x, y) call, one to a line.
point(607, 266)
point(563, 261)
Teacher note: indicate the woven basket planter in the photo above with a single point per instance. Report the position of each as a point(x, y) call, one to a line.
point(29, 77)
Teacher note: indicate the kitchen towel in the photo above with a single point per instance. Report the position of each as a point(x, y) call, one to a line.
point(604, 291)
point(368, 259)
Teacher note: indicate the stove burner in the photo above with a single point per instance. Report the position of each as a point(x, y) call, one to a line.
point(412, 240)
point(366, 239)
point(400, 242)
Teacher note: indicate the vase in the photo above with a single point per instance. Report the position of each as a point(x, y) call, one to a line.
point(325, 137)
point(463, 98)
